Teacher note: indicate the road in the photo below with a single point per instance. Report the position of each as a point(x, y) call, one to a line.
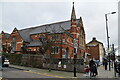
point(9, 72)
point(20, 74)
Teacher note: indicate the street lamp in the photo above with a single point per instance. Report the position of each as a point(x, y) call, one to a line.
point(108, 34)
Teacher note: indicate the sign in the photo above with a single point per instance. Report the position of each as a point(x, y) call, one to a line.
point(65, 66)
point(75, 43)
point(59, 64)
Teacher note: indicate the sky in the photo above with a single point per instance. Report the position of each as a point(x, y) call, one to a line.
point(29, 13)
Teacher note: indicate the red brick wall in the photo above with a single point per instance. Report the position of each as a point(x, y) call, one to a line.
point(4, 39)
point(67, 42)
point(94, 51)
point(19, 41)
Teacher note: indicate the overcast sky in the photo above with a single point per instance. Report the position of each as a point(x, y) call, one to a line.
point(26, 13)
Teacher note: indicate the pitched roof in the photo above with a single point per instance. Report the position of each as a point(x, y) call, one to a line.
point(52, 28)
point(25, 34)
point(7, 35)
point(94, 41)
point(35, 43)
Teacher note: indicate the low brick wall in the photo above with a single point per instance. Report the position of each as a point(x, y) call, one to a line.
point(66, 65)
point(38, 61)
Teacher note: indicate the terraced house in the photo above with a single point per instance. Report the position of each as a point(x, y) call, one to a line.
point(59, 32)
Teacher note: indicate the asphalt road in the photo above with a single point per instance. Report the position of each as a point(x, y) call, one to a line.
point(9, 72)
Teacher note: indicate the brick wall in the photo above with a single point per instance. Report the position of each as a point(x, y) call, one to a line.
point(18, 40)
point(94, 51)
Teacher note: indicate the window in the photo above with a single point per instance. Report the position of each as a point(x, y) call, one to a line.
point(56, 50)
point(13, 43)
point(54, 37)
point(29, 49)
point(81, 37)
point(13, 39)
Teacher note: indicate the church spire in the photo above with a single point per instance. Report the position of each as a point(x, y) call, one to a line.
point(73, 23)
point(73, 15)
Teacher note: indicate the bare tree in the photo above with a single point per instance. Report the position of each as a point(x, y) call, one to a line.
point(47, 44)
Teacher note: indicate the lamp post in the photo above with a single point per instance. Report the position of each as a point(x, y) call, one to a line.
point(75, 49)
point(108, 34)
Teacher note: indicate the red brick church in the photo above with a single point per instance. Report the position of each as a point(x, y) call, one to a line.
point(63, 42)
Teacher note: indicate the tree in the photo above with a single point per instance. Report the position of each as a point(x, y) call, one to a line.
point(24, 47)
point(47, 46)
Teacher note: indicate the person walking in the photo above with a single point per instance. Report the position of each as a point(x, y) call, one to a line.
point(94, 71)
point(119, 70)
point(93, 68)
point(3, 59)
point(87, 70)
point(97, 62)
point(105, 63)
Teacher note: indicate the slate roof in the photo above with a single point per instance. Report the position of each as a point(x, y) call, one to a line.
point(25, 34)
point(52, 28)
point(7, 35)
point(35, 43)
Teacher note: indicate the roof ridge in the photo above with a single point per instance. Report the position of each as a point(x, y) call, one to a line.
point(46, 25)
point(7, 33)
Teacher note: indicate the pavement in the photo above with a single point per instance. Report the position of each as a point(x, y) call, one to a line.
point(63, 74)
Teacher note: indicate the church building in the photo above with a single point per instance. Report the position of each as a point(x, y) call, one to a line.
point(64, 34)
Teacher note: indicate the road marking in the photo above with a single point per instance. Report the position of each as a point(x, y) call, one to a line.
point(45, 74)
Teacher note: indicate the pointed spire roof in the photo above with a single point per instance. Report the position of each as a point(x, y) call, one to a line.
point(73, 15)
point(80, 23)
point(81, 20)
point(15, 28)
point(2, 32)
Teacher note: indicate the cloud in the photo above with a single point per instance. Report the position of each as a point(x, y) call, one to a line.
point(24, 14)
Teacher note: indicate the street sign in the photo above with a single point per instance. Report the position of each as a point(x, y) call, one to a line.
point(75, 43)
point(75, 46)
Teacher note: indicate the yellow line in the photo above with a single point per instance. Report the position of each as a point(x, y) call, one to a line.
point(45, 74)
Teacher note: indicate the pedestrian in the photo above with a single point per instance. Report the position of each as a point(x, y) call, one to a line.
point(119, 69)
point(87, 70)
point(105, 63)
point(97, 62)
point(3, 59)
point(93, 69)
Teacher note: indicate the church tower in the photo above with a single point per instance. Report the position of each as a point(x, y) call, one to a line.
point(73, 23)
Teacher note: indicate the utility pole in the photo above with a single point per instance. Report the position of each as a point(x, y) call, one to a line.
point(113, 52)
point(75, 53)
point(108, 35)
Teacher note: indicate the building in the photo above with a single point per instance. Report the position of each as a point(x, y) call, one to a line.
point(28, 39)
point(96, 49)
point(4, 41)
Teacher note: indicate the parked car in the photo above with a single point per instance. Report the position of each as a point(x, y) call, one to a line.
point(6, 63)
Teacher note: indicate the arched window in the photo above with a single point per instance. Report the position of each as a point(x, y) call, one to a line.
point(13, 43)
point(81, 37)
point(66, 53)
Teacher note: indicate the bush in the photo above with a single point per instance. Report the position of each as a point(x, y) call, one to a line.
point(7, 55)
point(16, 59)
